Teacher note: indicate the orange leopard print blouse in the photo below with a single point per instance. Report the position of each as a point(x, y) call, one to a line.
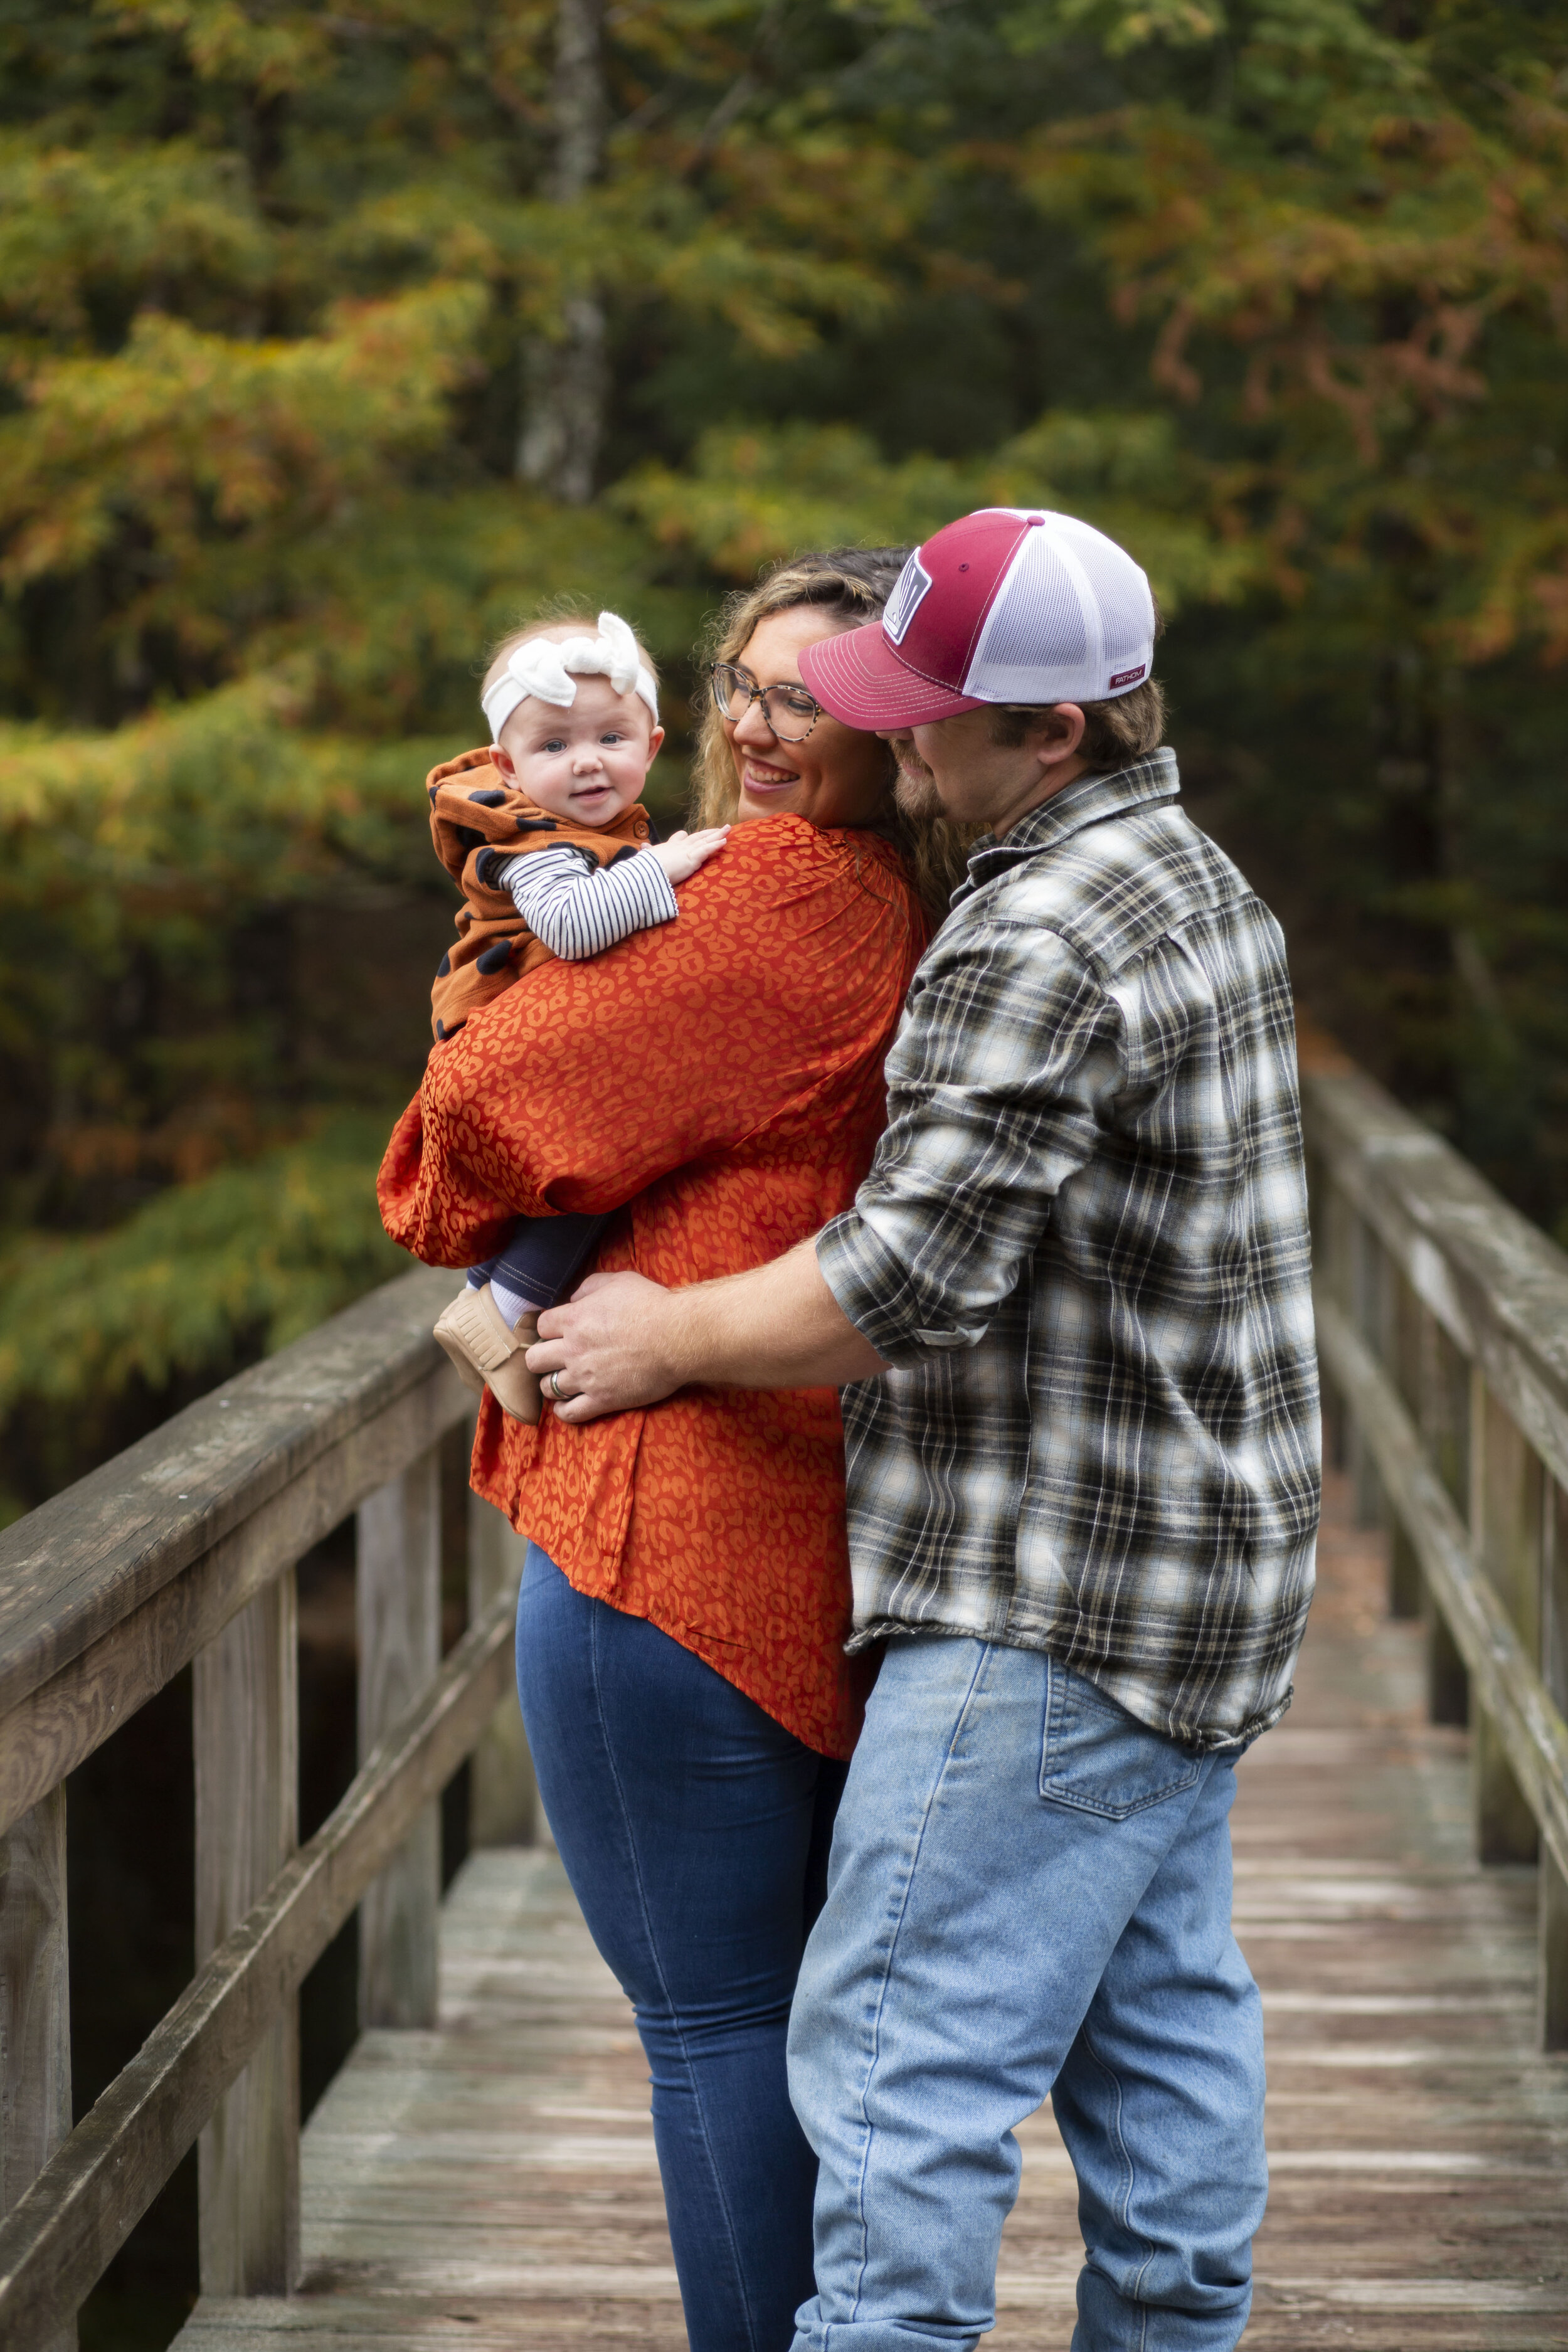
point(720, 1080)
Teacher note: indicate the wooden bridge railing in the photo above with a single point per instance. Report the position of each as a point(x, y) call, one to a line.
point(183, 1550)
point(1443, 1336)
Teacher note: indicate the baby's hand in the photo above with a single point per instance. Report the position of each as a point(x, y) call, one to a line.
point(683, 853)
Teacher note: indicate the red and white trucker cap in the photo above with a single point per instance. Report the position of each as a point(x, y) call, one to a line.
point(1010, 605)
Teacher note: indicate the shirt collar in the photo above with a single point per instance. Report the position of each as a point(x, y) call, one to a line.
point(1087, 800)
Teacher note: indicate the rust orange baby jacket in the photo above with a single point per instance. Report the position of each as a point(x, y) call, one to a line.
point(476, 813)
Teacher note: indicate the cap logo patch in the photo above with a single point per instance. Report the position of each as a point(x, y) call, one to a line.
point(1129, 677)
point(904, 603)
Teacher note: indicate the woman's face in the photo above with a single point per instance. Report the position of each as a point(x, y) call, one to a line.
point(837, 776)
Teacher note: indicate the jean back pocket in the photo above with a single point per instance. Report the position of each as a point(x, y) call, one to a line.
point(1097, 1757)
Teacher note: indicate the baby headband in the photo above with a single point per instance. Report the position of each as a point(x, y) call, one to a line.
point(542, 667)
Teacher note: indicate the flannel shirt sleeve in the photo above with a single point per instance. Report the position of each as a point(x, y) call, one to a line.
point(998, 1085)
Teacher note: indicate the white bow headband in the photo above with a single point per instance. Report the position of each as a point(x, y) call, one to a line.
point(542, 667)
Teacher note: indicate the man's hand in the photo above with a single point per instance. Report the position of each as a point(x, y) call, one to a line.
point(622, 1341)
point(605, 1344)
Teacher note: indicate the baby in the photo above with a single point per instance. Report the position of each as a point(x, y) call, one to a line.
point(547, 838)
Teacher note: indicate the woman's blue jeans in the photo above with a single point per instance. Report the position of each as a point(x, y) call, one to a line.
point(695, 1831)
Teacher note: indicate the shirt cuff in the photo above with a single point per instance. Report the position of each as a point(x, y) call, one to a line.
point(873, 1291)
point(650, 873)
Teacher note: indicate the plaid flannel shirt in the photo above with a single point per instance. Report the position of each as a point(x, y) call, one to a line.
point(1082, 1247)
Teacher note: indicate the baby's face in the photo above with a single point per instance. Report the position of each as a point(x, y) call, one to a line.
point(586, 763)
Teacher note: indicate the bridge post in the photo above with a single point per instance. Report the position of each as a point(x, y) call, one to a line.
point(35, 2006)
point(398, 1603)
point(1342, 1265)
point(1366, 1278)
point(1443, 1422)
point(1553, 1898)
point(1552, 1895)
point(503, 1795)
point(246, 1736)
point(1505, 1531)
point(1407, 1357)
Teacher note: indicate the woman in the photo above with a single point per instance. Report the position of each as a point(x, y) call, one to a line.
point(686, 1592)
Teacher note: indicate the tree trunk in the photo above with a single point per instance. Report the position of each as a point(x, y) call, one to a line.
point(565, 382)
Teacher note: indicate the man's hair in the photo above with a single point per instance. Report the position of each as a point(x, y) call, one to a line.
point(1128, 728)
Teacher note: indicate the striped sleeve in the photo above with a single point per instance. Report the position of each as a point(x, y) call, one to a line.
point(578, 908)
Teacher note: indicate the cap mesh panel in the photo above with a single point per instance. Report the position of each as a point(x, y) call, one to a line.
point(1074, 612)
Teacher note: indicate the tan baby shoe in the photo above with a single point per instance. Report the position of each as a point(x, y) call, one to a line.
point(487, 1352)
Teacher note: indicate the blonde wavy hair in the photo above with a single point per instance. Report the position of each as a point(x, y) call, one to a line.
point(851, 585)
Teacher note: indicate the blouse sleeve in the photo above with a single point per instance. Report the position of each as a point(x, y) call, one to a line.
point(587, 1082)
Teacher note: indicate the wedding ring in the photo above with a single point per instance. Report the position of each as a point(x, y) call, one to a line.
point(553, 1384)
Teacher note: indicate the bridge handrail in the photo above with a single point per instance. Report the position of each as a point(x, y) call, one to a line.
point(1443, 1337)
point(182, 1550)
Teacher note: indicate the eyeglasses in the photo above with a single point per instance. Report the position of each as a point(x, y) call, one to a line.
point(790, 711)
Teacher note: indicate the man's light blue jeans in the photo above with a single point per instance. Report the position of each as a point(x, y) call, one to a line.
point(1028, 1893)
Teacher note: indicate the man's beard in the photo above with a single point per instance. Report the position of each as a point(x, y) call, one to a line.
point(915, 794)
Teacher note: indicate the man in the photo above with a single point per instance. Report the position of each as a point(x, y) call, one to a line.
point(1072, 1302)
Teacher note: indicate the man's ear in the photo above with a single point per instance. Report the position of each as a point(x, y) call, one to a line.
point(1062, 731)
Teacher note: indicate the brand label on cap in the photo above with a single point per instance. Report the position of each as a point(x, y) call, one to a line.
point(905, 601)
point(1129, 677)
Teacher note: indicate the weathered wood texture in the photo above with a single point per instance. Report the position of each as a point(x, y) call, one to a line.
point(1494, 1282)
point(108, 1590)
point(245, 1738)
point(1418, 2142)
point(494, 2182)
point(1443, 1332)
point(1505, 1520)
point(1521, 1713)
point(35, 2006)
point(1552, 2009)
point(66, 2228)
point(503, 1795)
point(183, 1549)
point(397, 1589)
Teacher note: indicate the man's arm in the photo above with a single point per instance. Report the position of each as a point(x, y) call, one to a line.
point(623, 1340)
point(992, 1089)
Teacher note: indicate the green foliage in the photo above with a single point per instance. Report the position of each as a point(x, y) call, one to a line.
point(1274, 290)
point(745, 497)
point(266, 1249)
point(236, 1263)
point(1347, 252)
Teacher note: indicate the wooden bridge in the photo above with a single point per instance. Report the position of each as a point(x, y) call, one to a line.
point(481, 2171)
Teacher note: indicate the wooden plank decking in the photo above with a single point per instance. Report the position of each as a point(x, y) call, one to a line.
point(493, 2184)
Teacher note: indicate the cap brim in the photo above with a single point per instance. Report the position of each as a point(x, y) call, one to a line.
point(859, 678)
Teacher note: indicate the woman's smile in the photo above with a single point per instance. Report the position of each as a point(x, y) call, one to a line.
point(758, 776)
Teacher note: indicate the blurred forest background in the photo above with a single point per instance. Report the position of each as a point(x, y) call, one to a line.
point(334, 338)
